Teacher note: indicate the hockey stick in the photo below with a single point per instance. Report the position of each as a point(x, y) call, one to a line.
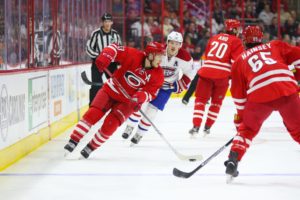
point(181, 174)
point(87, 81)
point(179, 155)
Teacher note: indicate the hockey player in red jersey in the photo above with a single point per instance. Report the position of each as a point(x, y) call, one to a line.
point(178, 72)
point(139, 75)
point(220, 53)
point(262, 82)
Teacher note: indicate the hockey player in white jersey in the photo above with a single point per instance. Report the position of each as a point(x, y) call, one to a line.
point(177, 66)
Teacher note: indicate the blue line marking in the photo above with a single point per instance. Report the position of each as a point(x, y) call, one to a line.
point(144, 175)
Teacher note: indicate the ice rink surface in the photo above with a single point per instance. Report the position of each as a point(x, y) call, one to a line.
point(269, 170)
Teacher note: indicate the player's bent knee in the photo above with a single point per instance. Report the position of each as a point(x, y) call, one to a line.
point(93, 115)
point(110, 125)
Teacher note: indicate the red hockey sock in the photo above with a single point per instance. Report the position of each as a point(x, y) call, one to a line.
point(81, 129)
point(212, 114)
point(198, 113)
point(240, 145)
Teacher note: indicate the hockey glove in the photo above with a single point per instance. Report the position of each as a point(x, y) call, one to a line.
point(106, 57)
point(181, 84)
point(168, 86)
point(139, 97)
point(237, 120)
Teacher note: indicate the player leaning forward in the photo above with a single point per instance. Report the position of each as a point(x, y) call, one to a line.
point(263, 82)
point(139, 75)
point(178, 72)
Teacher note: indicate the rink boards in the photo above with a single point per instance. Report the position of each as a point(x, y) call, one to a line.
point(37, 105)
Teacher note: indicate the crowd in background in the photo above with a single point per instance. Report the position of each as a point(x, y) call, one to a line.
point(196, 20)
point(74, 31)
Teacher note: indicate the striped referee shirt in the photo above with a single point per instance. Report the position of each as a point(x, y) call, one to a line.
point(99, 40)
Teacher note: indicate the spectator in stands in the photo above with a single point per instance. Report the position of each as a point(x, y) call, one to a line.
point(273, 29)
point(155, 28)
point(186, 19)
point(1, 57)
point(286, 38)
point(266, 15)
point(174, 19)
point(136, 30)
point(192, 33)
point(290, 28)
point(284, 15)
point(188, 45)
point(249, 14)
point(234, 9)
point(218, 14)
point(48, 45)
point(168, 28)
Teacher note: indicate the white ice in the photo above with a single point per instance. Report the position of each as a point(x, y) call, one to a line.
point(269, 170)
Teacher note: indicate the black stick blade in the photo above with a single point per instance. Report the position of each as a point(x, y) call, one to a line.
point(180, 174)
point(87, 81)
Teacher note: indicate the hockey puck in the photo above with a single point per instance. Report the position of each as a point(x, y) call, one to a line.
point(192, 160)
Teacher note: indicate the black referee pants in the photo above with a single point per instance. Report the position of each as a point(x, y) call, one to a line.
point(97, 77)
point(191, 88)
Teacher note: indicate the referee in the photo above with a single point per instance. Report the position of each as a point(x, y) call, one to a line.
point(101, 38)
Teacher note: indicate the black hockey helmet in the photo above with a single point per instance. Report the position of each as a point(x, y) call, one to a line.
point(106, 16)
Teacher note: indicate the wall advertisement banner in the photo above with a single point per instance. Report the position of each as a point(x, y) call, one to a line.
point(37, 101)
point(12, 109)
point(33, 100)
point(15, 109)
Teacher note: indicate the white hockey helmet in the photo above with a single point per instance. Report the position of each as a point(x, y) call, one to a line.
point(175, 36)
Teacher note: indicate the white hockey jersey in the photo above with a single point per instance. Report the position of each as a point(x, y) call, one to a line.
point(178, 67)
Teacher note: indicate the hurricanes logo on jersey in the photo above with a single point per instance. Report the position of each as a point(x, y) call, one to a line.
point(135, 81)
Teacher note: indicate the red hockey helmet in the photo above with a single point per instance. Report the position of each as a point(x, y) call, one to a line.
point(252, 34)
point(230, 24)
point(154, 47)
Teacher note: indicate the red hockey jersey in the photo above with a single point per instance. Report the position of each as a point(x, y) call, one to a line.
point(265, 73)
point(131, 74)
point(220, 53)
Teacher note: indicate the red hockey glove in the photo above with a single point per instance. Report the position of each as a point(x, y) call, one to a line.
point(181, 84)
point(106, 57)
point(237, 120)
point(139, 97)
point(102, 62)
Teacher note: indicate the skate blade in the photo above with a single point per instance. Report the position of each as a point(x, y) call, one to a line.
point(66, 153)
point(229, 178)
point(70, 156)
point(193, 136)
point(81, 157)
point(132, 144)
point(205, 134)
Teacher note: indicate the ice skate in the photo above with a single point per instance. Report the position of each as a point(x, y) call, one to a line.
point(127, 132)
point(194, 131)
point(231, 167)
point(86, 151)
point(136, 139)
point(70, 147)
point(206, 130)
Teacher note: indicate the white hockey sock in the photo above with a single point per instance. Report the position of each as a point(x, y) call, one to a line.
point(144, 125)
